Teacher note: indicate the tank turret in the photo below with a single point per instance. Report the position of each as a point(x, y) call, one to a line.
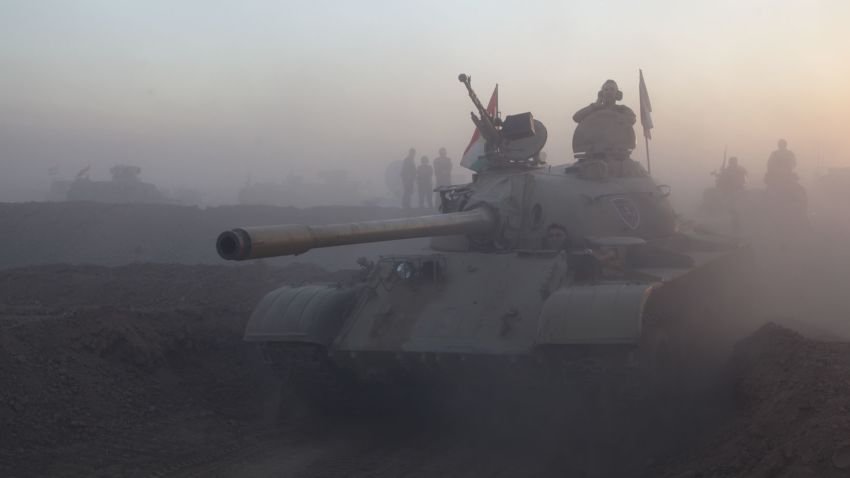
point(509, 205)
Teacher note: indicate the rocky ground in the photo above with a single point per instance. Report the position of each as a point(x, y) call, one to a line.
point(139, 370)
point(110, 370)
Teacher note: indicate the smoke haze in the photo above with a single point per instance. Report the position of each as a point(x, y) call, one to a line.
point(214, 94)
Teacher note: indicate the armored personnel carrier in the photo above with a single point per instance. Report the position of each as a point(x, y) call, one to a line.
point(530, 267)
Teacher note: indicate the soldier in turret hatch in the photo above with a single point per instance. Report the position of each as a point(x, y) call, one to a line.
point(607, 99)
point(408, 178)
point(605, 133)
point(425, 183)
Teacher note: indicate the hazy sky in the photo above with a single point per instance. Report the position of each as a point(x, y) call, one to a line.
point(209, 93)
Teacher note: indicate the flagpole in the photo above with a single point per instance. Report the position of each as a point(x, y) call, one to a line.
point(498, 113)
point(645, 117)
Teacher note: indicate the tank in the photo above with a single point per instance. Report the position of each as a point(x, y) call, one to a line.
point(125, 186)
point(531, 269)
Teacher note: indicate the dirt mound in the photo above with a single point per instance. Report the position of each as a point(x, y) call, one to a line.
point(140, 362)
point(793, 398)
point(117, 234)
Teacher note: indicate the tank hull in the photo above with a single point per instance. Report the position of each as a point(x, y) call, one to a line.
point(480, 315)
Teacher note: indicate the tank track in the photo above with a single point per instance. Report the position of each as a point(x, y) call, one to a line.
point(310, 377)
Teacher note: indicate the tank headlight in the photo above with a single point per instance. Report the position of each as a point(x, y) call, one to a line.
point(405, 270)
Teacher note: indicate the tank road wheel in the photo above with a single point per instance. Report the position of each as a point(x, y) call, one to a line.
point(311, 382)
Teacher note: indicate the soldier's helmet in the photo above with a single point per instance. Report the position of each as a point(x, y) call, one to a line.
point(782, 144)
point(442, 151)
point(610, 88)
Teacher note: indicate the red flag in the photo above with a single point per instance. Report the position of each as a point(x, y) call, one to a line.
point(476, 149)
point(645, 109)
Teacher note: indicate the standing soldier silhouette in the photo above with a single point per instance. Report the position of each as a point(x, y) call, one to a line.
point(408, 177)
point(425, 183)
point(443, 169)
point(782, 185)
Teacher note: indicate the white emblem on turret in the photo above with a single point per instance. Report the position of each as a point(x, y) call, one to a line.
point(628, 211)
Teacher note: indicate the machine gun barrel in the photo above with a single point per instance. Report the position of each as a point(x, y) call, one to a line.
point(486, 124)
point(292, 239)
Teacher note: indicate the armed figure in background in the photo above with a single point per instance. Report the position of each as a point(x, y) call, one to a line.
point(443, 169)
point(732, 178)
point(782, 185)
point(727, 206)
point(408, 177)
point(780, 166)
point(425, 183)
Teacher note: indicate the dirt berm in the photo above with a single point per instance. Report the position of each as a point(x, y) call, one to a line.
point(114, 234)
point(793, 412)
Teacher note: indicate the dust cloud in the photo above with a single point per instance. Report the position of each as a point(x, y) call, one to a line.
point(266, 93)
point(131, 134)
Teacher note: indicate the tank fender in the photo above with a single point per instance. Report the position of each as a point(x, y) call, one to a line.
point(594, 314)
point(308, 314)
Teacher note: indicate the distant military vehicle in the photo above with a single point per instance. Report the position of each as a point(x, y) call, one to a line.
point(125, 187)
point(732, 208)
point(531, 267)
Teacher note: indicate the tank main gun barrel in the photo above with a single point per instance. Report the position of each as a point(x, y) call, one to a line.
point(292, 239)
